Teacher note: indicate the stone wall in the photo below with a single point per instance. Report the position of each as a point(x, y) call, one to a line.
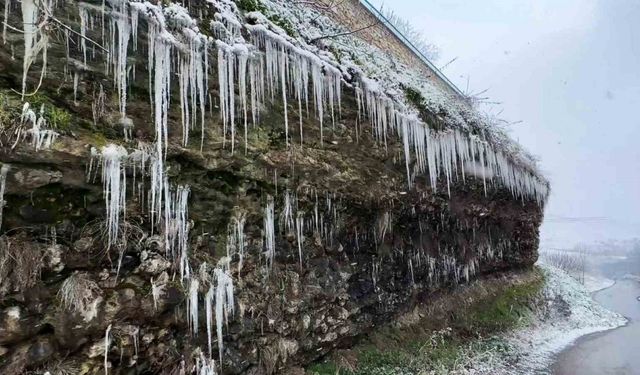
point(355, 16)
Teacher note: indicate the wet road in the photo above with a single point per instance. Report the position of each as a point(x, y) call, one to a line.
point(612, 352)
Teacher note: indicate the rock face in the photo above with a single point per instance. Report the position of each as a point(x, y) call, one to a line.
point(354, 246)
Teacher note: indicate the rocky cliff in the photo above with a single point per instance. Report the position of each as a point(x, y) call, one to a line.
point(205, 188)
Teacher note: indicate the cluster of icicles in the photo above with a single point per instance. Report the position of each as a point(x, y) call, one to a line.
point(170, 218)
point(41, 137)
point(271, 66)
point(451, 153)
point(168, 208)
point(447, 267)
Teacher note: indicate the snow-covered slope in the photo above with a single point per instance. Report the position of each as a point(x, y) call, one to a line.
point(570, 313)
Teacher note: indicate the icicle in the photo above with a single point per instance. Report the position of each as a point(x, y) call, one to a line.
point(232, 59)
point(135, 338)
point(413, 280)
point(205, 366)
point(161, 86)
point(299, 234)
point(84, 19)
point(30, 15)
point(76, 79)
point(269, 232)
point(41, 138)
point(115, 188)
point(285, 62)
point(224, 304)
point(449, 154)
point(208, 303)
point(134, 26)
point(3, 180)
point(283, 80)
point(127, 128)
point(177, 227)
point(7, 7)
point(287, 213)
point(156, 292)
point(107, 344)
point(235, 237)
point(120, 67)
point(192, 306)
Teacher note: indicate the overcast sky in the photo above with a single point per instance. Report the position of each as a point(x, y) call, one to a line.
point(570, 71)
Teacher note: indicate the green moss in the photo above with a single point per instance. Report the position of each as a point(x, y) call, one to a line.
point(284, 24)
point(58, 118)
point(251, 6)
point(415, 98)
point(336, 52)
point(257, 6)
point(324, 368)
point(97, 140)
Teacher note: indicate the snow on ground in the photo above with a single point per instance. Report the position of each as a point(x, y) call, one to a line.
point(570, 313)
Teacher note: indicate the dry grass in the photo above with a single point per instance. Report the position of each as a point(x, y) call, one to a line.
point(21, 262)
point(80, 294)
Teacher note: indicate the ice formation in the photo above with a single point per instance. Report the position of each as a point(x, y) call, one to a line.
point(204, 365)
point(157, 289)
point(177, 227)
point(208, 306)
point(232, 62)
point(4, 170)
point(193, 71)
point(271, 65)
point(447, 153)
point(286, 216)
point(114, 180)
point(287, 65)
point(300, 234)
point(32, 45)
point(107, 344)
point(225, 304)
point(83, 12)
point(220, 293)
point(236, 241)
point(120, 22)
point(41, 138)
point(7, 8)
point(269, 232)
point(278, 66)
point(192, 305)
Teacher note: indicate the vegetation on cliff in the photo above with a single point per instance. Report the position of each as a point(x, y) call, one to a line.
point(444, 336)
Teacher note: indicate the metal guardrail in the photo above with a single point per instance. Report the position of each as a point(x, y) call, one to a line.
point(376, 13)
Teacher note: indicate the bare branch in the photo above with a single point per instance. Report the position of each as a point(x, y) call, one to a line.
point(51, 16)
point(449, 63)
point(345, 33)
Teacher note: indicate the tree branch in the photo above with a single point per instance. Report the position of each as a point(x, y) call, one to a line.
point(345, 33)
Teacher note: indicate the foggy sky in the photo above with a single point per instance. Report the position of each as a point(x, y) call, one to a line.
point(570, 71)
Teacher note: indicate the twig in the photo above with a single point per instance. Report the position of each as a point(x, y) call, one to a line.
point(54, 19)
point(449, 63)
point(13, 28)
point(345, 33)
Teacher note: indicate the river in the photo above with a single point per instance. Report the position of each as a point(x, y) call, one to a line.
point(615, 351)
